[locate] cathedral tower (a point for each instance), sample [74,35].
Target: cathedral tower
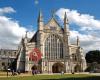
[40,21]
[40,31]
[78,41]
[66,34]
[66,43]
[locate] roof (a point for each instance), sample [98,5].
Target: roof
[34,38]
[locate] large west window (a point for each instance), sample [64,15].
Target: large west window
[53,47]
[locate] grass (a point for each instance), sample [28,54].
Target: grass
[53,77]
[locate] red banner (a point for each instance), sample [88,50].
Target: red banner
[35,55]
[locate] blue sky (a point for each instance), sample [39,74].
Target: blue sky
[83,15]
[27,10]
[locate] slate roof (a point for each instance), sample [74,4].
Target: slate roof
[34,38]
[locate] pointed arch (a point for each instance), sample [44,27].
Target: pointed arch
[53,47]
[58,67]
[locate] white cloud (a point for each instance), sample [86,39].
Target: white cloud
[11,31]
[6,10]
[88,28]
[36,2]
[30,34]
[85,21]
[83,37]
[87,41]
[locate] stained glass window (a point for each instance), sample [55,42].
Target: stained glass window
[53,47]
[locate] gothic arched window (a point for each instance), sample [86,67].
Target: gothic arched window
[74,57]
[53,47]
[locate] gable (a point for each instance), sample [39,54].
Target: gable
[53,24]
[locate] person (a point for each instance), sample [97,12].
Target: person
[33,72]
[13,73]
[62,72]
[73,72]
[18,71]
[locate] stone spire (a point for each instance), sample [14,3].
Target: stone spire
[26,34]
[53,13]
[40,21]
[66,28]
[66,34]
[26,38]
[66,41]
[78,41]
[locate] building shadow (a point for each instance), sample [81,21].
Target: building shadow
[78,78]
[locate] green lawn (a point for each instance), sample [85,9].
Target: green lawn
[54,77]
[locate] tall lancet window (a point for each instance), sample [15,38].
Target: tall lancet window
[53,47]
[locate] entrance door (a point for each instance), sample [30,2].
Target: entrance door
[37,67]
[58,68]
[34,67]
[77,68]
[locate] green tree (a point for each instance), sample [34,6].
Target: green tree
[93,60]
[93,56]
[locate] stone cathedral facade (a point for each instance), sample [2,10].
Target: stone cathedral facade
[58,54]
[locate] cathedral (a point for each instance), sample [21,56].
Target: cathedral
[58,54]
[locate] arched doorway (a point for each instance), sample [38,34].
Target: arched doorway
[37,67]
[58,68]
[77,68]
[34,67]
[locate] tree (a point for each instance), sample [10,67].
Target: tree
[93,61]
[93,56]
[13,64]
